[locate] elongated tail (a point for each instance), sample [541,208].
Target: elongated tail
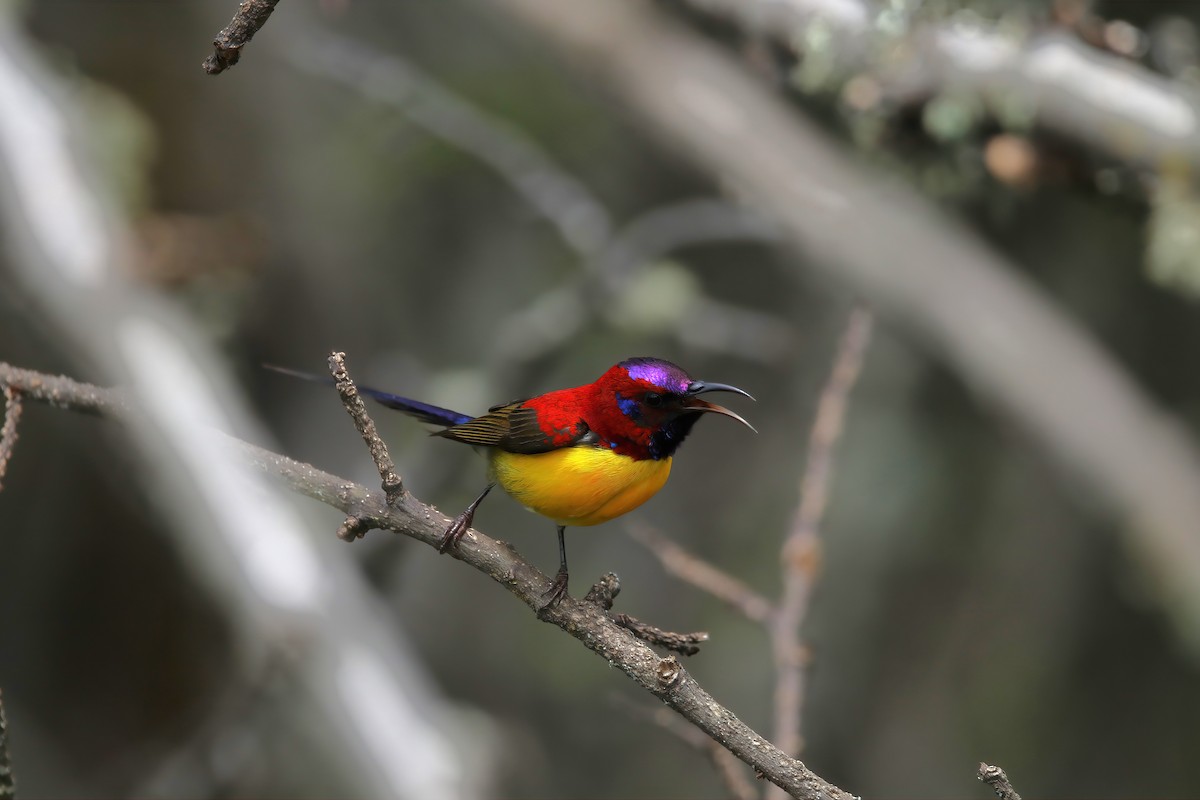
[425,412]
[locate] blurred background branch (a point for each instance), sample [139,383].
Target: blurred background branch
[800,556]
[579,218]
[1025,74]
[8,432]
[250,550]
[728,769]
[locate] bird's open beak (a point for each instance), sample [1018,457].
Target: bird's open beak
[693,403]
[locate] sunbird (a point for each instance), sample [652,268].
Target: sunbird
[579,456]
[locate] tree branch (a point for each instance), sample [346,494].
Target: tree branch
[687,644]
[801,552]
[393,487]
[586,621]
[8,433]
[227,46]
[707,577]
[998,780]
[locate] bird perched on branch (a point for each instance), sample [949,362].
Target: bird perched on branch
[579,456]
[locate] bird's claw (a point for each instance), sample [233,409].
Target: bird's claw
[557,590]
[458,528]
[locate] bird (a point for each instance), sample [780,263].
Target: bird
[579,456]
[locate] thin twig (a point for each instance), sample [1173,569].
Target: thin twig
[392,485]
[665,678]
[8,433]
[801,553]
[998,780]
[605,591]
[692,569]
[8,784]
[687,644]
[227,46]
[727,767]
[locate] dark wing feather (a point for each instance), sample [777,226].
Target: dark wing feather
[515,429]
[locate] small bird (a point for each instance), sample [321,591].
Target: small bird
[579,456]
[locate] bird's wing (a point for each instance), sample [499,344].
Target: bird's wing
[515,428]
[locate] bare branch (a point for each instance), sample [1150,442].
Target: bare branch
[8,433]
[392,485]
[690,568]
[586,621]
[8,784]
[894,249]
[801,553]
[995,778]
[227,46]
[687,644]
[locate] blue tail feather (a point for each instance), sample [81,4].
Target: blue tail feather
[425,412]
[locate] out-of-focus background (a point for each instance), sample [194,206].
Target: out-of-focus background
[442,192]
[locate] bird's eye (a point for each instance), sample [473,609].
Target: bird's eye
[653,399]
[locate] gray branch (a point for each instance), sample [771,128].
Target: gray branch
[585,620]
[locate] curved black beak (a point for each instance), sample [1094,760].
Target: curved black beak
[693,403]
[700,387]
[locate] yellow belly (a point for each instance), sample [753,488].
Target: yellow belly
[579,485]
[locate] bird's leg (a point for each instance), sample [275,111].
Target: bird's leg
[462,522]
[558,589]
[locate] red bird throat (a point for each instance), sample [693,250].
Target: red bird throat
[579,485]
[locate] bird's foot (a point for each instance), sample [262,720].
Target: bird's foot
[458,528]
[462,523]
[557,590]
